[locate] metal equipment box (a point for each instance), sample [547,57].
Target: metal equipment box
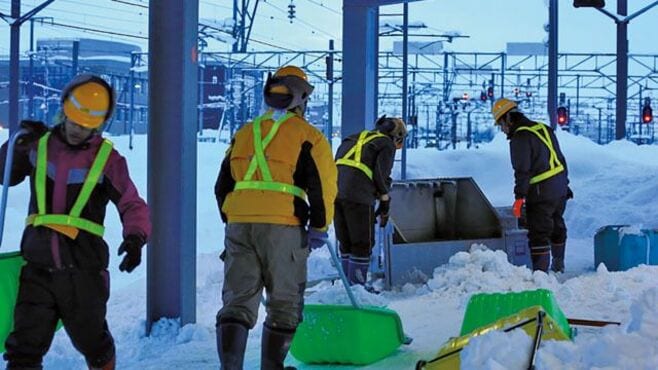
[432,219]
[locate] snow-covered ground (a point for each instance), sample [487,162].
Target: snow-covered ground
[613,184]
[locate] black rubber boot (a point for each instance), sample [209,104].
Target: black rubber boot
[358,270]
[231,344]
[110,365]
[541,257]
[557,250]
[345,262]
[274,348]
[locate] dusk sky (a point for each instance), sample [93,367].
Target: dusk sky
[490,24]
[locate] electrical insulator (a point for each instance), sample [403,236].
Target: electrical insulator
[291,11]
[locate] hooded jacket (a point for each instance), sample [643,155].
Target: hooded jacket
[67,169]
[354,185]
[299,155]
[530,157]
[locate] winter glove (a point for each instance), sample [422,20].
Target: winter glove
[316,238]
[132,246]
[35,129]
[569,193]
[517,207]
[383,211]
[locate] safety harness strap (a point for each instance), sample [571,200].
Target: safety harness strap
[555,166]
[353,157]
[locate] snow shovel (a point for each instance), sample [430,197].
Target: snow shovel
[340,334]
[10,263]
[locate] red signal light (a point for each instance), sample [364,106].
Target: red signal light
[562,116]
[647,114]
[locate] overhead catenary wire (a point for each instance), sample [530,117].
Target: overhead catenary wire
[302,21]
[95,30]
[321,4]
[132,4]
[70,24]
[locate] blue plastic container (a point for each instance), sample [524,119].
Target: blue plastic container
[620,250]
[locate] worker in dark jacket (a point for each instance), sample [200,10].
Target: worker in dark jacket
[276,190]
[365,161]
[74,173]
[541,183]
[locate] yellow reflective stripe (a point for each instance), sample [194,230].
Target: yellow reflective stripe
[546,175]
[271,186]
[66,220]
[359,165]
[42,169]
[72,219]
[91,112]
[555,166]
[253,165]
[92,178]
[259,162]
[353,156]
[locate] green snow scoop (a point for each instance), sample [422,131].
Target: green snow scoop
[10,263]
[339,334]
[10,270]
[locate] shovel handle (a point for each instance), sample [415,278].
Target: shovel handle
[332,250]
[596,323]
[9,160]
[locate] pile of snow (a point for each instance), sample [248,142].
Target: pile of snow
[630,347]
[615,184]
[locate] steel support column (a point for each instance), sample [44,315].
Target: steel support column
[405,84]
[359,102]
[14,65]
[622,70]
[30,89]
[552,62]
[171,272]
[330,81]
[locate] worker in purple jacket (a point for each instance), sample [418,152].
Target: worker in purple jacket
[73,172]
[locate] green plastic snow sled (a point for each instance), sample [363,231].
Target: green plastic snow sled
[339,334]
[534,311]
[346,335]
[10,270]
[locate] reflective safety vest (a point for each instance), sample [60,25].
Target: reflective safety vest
[70,224]
[259,162]
[353,157]
[555,166]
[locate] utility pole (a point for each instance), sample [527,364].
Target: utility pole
[552,61]
[14,65]
[405,82]
[30,89]
[330,81]
[14,57]
[243,21]
[622,70]
[74,58]
[621,19]
[131,112]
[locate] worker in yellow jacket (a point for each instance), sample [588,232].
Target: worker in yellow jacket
[277,177]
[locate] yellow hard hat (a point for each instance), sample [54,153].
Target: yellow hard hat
[288,88]
[291,71]
[501,107]
[88,101]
